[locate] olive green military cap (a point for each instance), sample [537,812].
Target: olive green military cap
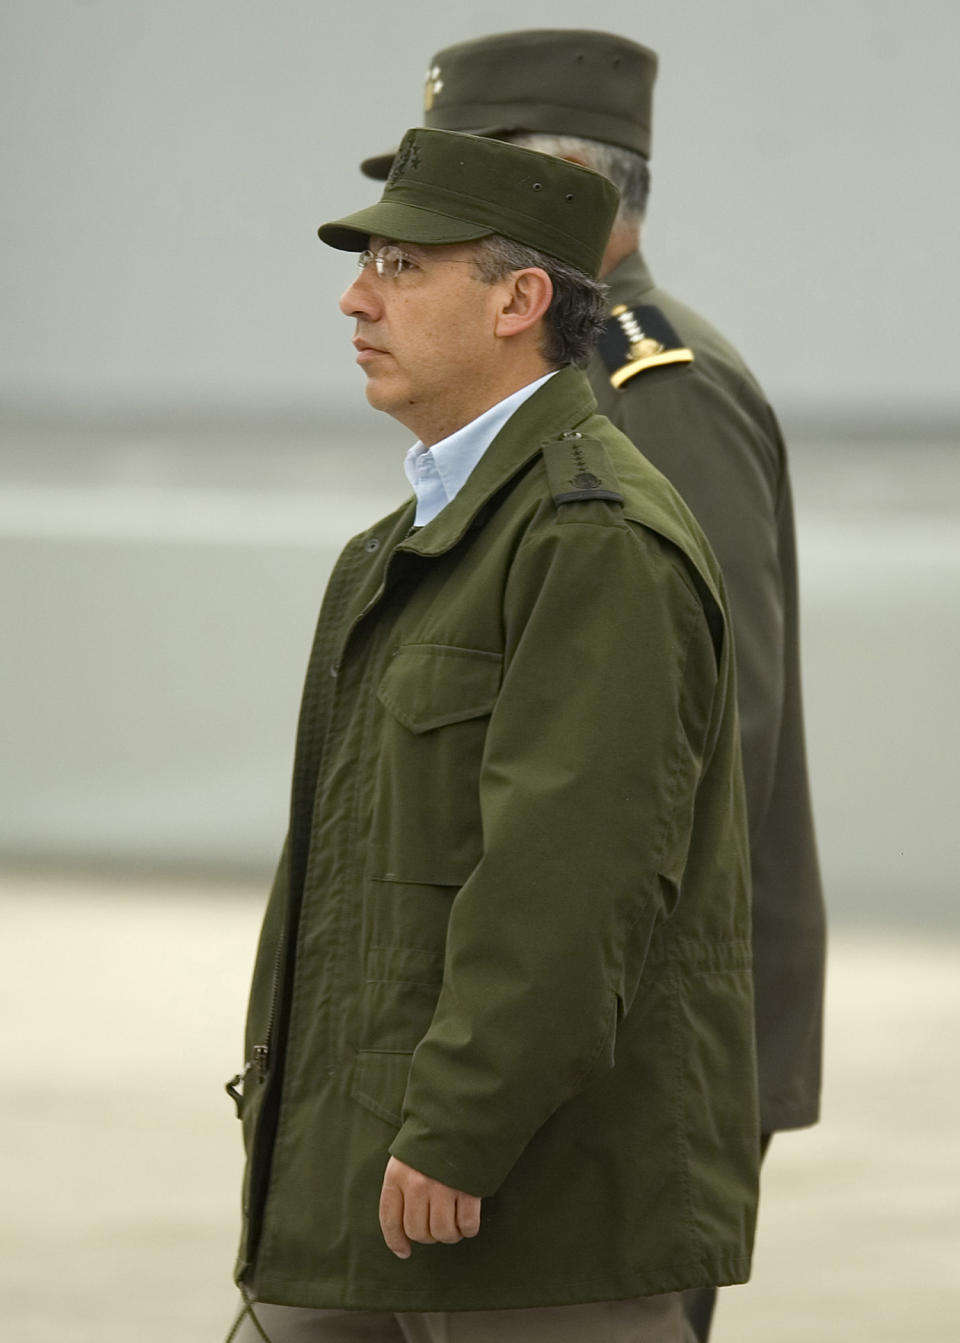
[447,187]
[559,81]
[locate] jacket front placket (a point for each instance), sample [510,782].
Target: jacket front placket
[328,935]
[360,580]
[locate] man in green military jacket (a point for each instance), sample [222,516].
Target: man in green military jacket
[501,1071]
[684,396]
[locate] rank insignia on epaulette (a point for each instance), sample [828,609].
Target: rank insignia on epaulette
[579,469]
[635,339]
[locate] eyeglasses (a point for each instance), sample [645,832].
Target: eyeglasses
[391,261]
[388,261]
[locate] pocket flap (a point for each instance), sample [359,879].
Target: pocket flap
[380,1083]
[427,686]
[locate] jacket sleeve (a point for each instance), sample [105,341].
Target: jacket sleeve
[606,712]
[725,456]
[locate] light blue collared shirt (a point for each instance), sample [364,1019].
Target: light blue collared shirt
[438,474]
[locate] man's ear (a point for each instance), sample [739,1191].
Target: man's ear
[526,298]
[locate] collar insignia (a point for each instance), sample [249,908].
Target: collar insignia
[639,338]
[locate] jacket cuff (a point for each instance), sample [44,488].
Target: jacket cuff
[454,1161]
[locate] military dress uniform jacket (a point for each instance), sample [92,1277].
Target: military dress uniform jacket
[509,940]
[709,429]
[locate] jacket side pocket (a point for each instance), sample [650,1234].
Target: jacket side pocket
[380,1083]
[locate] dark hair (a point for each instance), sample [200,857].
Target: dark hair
[575,317]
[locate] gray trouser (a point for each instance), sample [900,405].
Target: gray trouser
[648,1319]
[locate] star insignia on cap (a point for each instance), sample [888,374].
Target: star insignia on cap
[406,158]
[432,86]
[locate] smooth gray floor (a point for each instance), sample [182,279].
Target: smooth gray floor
[123,1007]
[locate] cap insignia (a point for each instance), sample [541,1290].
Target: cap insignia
[433,84]
[407,156]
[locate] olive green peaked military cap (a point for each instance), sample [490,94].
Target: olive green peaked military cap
[447,187]
[559,81]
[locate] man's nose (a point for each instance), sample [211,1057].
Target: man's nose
[360,299]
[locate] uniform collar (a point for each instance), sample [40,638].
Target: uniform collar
[561,403]
[629,277]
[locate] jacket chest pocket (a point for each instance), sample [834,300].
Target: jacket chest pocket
[436,704]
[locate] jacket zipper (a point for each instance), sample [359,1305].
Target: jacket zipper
[259,1059]
[260,1156]
[260,1056]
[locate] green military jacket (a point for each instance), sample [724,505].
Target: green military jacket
[509,939]
[709,429]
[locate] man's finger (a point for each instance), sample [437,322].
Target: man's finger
[416,1210]
[391,1220]
[468,1215]
[443,1218]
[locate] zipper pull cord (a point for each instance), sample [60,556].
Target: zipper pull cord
[259,1059]
[247,1313]
[231,1087]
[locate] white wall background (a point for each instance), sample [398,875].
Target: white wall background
[184,442]
[164,166]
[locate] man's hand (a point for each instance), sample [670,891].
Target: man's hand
[414,1207]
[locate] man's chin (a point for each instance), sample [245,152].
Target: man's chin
[379,396]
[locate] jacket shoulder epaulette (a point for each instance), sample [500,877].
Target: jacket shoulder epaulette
[635,339]
[578,469]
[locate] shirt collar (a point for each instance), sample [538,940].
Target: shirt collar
[437,474]
[565,403]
